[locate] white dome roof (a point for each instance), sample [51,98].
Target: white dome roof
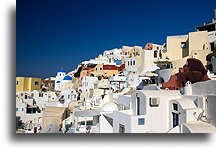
[109,107]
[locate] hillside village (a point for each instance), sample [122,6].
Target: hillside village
[153,88]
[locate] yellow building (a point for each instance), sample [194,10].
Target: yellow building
[27,83]
[129,52]
[180,48]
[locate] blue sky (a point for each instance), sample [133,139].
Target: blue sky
[55,34]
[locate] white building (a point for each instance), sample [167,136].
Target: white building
[61,79]
[88,82]
[113,55]
[149,112]
[162,111]
[118,82]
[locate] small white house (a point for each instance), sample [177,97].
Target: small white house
[68,95]
[88,82]
[149,112]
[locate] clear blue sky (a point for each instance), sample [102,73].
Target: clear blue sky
[55,34]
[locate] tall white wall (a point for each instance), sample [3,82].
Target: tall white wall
[211,109]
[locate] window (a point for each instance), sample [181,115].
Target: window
[121,128]
[125,53]
[183,45]
[212,45]
[128,63]
[34,110]
[17,82]
[96,68]
[29,110]
[175,119]
[36,83]
[134,54]
[141,121]
[133,62]
[155,54]
[17,109]
[175,107]
[138,105]
[100,68]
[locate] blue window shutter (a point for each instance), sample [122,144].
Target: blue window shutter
[141,121]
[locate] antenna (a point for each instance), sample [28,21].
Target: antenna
[215,13]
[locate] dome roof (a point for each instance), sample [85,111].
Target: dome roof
[57,81]
[109,107]
[62,70]
[67,77]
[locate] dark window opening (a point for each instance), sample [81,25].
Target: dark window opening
[121,128]
[175,107]
[138,105]
[155,54]
[28,111]
[175,119]
[212,46]
[36,83]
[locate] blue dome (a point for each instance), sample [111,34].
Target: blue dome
[67,78]
[57,81]
[62,70]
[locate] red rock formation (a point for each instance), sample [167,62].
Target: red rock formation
[194,72]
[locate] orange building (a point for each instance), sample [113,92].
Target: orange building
[105,70]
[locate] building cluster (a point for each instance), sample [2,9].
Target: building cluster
[167,88]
